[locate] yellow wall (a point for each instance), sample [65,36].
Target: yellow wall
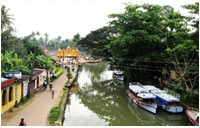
[10,104]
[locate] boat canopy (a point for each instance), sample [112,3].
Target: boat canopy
[153,89]
[118,72]
[167,97]
[146,95]
[137,89]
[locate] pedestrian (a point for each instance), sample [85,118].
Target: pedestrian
[50,86]
[52,91]
[22,123]
[45,83]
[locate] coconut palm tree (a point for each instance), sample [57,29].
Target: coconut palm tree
[6,19]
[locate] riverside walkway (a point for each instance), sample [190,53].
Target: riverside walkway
[35,112]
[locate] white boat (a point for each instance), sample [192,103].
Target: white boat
[168,102]
[146,101]
[153,89]
[193,115]
[119,75]
[142,98]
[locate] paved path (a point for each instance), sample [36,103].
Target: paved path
[36,111]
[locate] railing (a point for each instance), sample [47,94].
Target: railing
[194,109]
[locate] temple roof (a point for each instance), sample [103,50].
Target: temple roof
[68,52]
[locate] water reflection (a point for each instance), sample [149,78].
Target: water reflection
[100,101]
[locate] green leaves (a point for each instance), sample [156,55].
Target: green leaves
[10,62]
[43,61]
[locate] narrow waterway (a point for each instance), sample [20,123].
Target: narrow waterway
[100,101]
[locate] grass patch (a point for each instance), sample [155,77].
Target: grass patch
[54,114]
[59,72]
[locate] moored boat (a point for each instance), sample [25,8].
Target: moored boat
[193,115]
[153,89]
[119,75]
[142,98]
[168,102]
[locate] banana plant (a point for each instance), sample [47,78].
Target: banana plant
[43,61]
[10,62]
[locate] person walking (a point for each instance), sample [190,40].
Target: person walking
[50,86]
[22,123]
[45,85]
[52,91]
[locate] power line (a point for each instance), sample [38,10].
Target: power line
[166,61]
[147,69]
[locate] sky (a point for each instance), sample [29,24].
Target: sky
[65,18]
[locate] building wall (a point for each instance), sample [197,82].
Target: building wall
[25,85]
[10,104]
[43,75]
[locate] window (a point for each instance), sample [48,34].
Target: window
[11,94]
[4,98]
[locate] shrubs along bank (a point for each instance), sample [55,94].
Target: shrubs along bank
[56,116]
[56,111]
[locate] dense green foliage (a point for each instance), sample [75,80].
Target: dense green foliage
[146,38]
[10,61]
[96,41]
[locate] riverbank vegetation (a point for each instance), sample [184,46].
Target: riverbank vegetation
[149,43]
[56,111]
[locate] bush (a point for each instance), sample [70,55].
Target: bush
[54,115]
[59,72]
[55,111]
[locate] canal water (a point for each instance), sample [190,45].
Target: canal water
[98,100]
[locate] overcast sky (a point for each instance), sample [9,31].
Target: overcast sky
[68,17]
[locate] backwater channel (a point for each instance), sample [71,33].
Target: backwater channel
[98,100]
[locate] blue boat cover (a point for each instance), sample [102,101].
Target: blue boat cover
[160,101]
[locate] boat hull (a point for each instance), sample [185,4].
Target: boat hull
[132,99]
[150,108]
[190,114]
[173,109]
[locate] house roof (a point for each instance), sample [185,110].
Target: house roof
[25,77]
[43,67]
[36,72]
[3,80]
[7,82]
